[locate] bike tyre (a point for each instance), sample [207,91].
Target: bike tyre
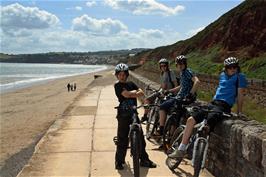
[199,157]
[176,139]
[173,165]
[178,134]
[152,122]
[167,135]
[135,152]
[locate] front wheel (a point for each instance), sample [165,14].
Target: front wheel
[173,163]
[135,151]
[199,157]
[170,127]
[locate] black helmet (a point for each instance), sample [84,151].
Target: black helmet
[163,61]
[121,67]
[181,59]
[230,61]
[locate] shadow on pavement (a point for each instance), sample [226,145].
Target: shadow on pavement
[128,171]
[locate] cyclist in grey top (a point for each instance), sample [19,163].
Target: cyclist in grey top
[167,80]
[187,89]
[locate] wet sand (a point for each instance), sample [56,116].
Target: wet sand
[26,114]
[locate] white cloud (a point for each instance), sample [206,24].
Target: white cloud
[48,40]
[16,17]
[98,26]
[151,33]
[87,34]
[78,8]
[91,3]
[194,31]
[144,7]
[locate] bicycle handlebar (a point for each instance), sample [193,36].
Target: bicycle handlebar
[205,109]
[146,106]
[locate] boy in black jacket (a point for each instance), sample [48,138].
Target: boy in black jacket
[127,92]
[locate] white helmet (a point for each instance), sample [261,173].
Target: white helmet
[181,59]
[121,67]
[164,61]
[230,61]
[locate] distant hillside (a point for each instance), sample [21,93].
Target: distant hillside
[101,57]
[241,32]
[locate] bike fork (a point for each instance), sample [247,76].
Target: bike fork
[205,151]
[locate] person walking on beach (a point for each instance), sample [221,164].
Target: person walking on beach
[127,93]
[68,87]
[74,87]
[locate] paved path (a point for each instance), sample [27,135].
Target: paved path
[81,144]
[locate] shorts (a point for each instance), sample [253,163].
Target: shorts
[168,104]
[213,117]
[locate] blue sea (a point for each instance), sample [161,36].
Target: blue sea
[14,76]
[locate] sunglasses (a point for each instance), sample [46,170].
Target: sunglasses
[231,67]
[163,65]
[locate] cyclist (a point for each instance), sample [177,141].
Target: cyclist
[187,89]
[167,80]
[127,92]
[231,87]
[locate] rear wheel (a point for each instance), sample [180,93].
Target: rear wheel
[152,122]
[135,148]
[199,157]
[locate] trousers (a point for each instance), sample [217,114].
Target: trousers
[123,140]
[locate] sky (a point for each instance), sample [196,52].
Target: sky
[40,26]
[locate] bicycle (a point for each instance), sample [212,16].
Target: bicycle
[134,136]
[198,142]
[175,117]
[153,115]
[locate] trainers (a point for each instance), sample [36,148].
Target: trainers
[144,119]
[158,133]
[119,166]
[177,154]
[148,163]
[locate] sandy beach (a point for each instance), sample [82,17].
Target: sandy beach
[26,114]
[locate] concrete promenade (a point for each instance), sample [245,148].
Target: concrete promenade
[81,143]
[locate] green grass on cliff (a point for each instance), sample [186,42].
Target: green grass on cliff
[211,63]
[207,63]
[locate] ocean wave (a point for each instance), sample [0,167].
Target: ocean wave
[19,81]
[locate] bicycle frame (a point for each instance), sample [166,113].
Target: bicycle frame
[135,125]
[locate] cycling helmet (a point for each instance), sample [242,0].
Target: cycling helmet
[163,61]
[121,67]
[230,61]
[181,59]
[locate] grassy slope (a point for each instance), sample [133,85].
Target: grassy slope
[202,62]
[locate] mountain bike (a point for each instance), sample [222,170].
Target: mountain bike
[153,115]
[175,117]
[198,142]
[134,136]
